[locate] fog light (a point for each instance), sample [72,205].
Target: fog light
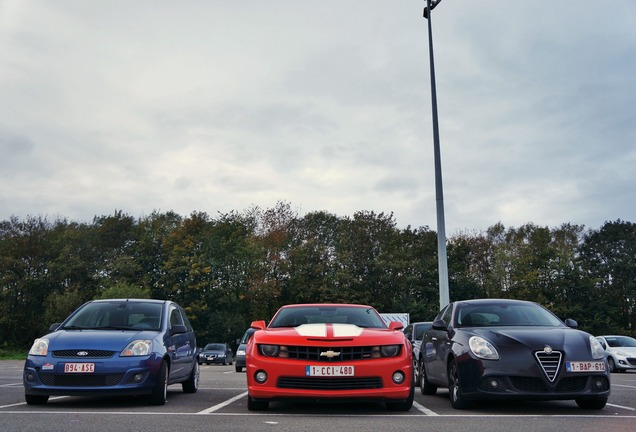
[398,377]
[260,376]
[138,377]
[30,377]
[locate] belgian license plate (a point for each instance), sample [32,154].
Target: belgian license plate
[576,366]
[327,371]
[79,367]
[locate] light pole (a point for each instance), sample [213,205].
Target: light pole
[442,261]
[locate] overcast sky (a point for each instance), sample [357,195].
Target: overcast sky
[223,105]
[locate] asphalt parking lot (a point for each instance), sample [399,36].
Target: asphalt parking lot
[220,404]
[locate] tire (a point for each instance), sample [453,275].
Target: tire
[591,404]
[257,405]
[612,364]
[36,399]
[238,368]
[454,388]
[417,377]
[192,384]
[426,387]
[160,392]
[402,405]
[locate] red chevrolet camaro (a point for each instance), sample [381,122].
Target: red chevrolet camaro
[332,352]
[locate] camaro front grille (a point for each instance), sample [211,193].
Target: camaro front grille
[305,383]
[78,353]
[335,354]
[81,380]
[550,363]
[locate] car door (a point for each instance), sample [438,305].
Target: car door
[181,345]
[437,344]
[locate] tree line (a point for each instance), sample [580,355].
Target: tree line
[237,267]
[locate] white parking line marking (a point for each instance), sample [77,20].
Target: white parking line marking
[24,403]
[622,407]
[623,385]
[423,409]
[12,385]
[222,404]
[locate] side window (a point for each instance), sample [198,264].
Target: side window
[175,317]
[447,315]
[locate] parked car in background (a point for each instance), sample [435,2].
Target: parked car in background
[216,353]
[332,352]
[621,352]
[114,347]
[239,362]
[415,332]
[512,349]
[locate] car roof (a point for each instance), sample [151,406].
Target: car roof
[325,305]
[133,300]
[493,301]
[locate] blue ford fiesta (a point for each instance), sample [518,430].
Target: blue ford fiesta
[114,347]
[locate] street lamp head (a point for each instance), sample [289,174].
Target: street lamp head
[430,5]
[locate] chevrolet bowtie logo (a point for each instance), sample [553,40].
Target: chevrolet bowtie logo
[329,354]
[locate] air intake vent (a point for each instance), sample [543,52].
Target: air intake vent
[550,363]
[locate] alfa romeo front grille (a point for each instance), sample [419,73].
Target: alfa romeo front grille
[550,363]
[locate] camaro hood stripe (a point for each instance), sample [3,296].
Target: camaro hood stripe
[320,330]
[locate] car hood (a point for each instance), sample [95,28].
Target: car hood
[115,340]
[535,338]
[630,351]
[212,351]
[331,332]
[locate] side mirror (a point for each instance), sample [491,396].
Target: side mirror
[178,329]
[258,325]
[571,323]
[439,325]
[396,325]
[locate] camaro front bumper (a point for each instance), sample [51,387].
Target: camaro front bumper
[290,379]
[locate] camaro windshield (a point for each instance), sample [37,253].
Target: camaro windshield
[522,314]
[295,316]
[116,315]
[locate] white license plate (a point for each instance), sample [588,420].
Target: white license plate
[79,367]
[327,371]
[574,366]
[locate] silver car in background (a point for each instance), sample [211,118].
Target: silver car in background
[621,352]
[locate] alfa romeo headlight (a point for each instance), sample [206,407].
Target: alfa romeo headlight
[597,349]
[482,348]
[137,348]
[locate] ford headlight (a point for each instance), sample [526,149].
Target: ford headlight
[137,348]
[597,349]
[482,348]
[40,347]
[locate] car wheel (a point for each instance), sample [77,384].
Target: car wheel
[230,362]
[454,387]
[257,405]
[416,372]
[402,405]
[238,368]
[612,364]
[160,392]
[35,399]
[192,384]
[426,387]
[591,404]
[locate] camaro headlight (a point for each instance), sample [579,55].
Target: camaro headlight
[40,347]
[597,349]
[137,348]
[482,348]
[269,350]
[389,350]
